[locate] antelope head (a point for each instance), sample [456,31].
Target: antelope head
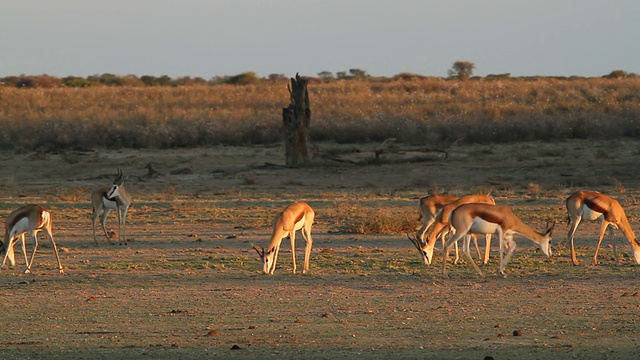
[114,192]
[422,248]
[266,256]
[546,243]
[3,251]
[636,250]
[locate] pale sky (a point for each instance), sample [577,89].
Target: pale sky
[209,38]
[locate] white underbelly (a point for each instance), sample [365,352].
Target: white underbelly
[300,224]
[481,226]
[20,227]
[109,204]
[589,214]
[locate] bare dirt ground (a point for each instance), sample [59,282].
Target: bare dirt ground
[188,284]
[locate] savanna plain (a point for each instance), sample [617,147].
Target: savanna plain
[188,284]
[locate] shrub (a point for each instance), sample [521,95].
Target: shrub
[246,78]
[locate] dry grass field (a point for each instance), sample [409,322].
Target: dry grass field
[414,110]
[188,285]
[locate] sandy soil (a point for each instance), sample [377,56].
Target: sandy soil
[188,284]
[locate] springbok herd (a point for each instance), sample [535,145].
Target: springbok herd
[442,215]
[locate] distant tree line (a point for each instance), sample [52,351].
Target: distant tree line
[460,70]
[246,78]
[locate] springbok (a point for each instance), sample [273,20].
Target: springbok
[115,198]
[297,216]
[440,222]
[32,219]
[478,218]
[592,205]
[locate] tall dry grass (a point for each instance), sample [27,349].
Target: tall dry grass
[415,110]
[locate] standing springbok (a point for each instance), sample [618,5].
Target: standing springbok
[297,216]
[32,219]
[115,198]
[592,205]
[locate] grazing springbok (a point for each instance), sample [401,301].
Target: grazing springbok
[480,218]
[26,219]
[297,216]
[592,205]
[440,222]
[115,198]
[430,207]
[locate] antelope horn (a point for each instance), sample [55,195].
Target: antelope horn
[550,228]
[120,179]
[115,181]
[414,240]
[260,251]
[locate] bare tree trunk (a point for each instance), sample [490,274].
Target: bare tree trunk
[296,119]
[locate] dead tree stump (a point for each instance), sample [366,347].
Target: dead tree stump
[296,119]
